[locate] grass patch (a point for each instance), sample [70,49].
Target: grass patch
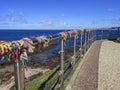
[71,74]
[40,83]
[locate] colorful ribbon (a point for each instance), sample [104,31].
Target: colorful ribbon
[24,58]
[17,50]
[44,41]
[2,58]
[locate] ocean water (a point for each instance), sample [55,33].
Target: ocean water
[113,34]
[10,35]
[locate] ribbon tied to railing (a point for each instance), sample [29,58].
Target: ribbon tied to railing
[44,41]
[3,50]
[16,50]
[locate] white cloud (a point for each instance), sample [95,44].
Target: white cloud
[116,21]
[4,23]
[13,17]
[113,20]
[64,24]
[47,23]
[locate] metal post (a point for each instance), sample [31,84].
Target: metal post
[88,39]
[118,31]
[17,77]
[94,35]
[22,76]
[101,34]
[109,34]
[62,64]
[81,45]
[85,42]
[75,37]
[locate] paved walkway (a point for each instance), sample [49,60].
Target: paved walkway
[87,78]
[100,69]
[109,66]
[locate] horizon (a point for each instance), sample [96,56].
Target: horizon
[60,14]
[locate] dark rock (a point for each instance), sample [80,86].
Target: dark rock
[118,39]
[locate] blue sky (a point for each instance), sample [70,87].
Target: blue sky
[58,14]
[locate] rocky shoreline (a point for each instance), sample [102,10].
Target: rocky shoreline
[35,68]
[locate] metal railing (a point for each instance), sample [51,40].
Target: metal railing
[86,38]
